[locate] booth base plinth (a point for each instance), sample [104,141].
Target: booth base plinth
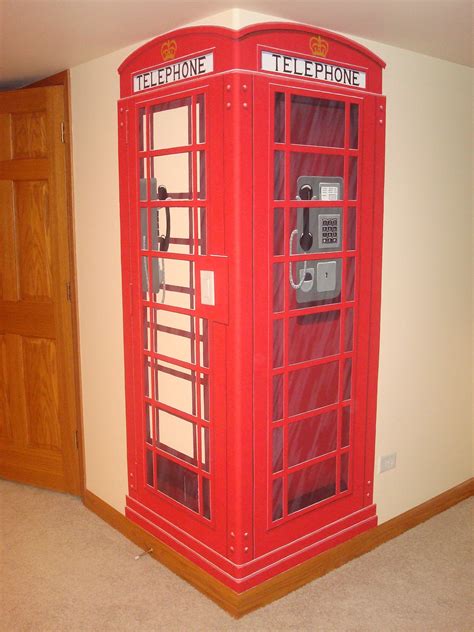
[239,604]
[243,577]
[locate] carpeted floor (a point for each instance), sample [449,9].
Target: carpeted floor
[66,570]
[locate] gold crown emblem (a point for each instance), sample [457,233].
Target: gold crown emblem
[319,46]
[168,50]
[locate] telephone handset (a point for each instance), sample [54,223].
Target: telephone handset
[160,242]
[164,240]
[306,239]
[319,230]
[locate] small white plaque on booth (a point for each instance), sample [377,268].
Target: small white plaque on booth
[207,287]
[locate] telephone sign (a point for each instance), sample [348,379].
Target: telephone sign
[186,69]
[312,69]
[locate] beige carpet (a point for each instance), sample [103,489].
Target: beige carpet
[66,570]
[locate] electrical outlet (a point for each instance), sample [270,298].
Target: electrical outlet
[387,462]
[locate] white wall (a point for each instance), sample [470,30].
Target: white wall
[424,406]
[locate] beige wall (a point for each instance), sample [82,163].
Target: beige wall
[424,409]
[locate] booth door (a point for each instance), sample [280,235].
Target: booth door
[312,254]
[176,418]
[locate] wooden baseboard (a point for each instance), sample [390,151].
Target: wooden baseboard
[239,604]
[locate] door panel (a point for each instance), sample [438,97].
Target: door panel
[38,416]
[172,234]
[312,306]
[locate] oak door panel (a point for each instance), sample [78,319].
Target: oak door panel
[38,411]
[33,233]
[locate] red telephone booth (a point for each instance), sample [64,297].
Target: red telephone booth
[251,188]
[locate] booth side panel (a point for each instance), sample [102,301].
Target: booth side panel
[127,285]
[379,123]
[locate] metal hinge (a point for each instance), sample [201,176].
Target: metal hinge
[63,132]
[68,291]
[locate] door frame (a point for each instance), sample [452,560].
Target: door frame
[167,511]
[63,79]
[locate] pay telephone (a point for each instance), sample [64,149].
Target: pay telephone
[158,242]
[319,230]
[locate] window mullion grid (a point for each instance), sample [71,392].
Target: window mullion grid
[286,300]
[152,377]
[342,314]
[195,321]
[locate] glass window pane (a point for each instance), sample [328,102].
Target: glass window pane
[142,144]
[354,133]
[317,122]
[204,342]
[277,397]
[312,388]
[144,228]
[278,228]
[346,426]
[201,119]
[205,397]
[205,449]
[176,436]
[277,343]
[148,418]
[344,482]
[279,176]
[143,175]
[202,231]
[149,467]
[277,440]
[313,336]
[174,172]
[351,228]
[180,229]
[349,330]
[174,335]
[173,282]
[296,300]
[279,117]
[206,498]
[319,165]
[175,387]
[177,482]
[324,223]
[311,485]
[146,329]
[350,278]
[347,379]
[145,280]
[171,124]
[352,178]
[278,293]
[277,501]
[147,376]
[312,437]
[201,175]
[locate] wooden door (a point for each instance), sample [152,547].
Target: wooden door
[38,411]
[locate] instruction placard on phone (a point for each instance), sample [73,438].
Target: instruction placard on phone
[328,192]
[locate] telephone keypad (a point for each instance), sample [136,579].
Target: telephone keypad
[329,231]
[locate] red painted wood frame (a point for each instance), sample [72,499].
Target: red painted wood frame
[234,535]
[147,451]
[276,525]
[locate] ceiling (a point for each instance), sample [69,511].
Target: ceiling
[41,37]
